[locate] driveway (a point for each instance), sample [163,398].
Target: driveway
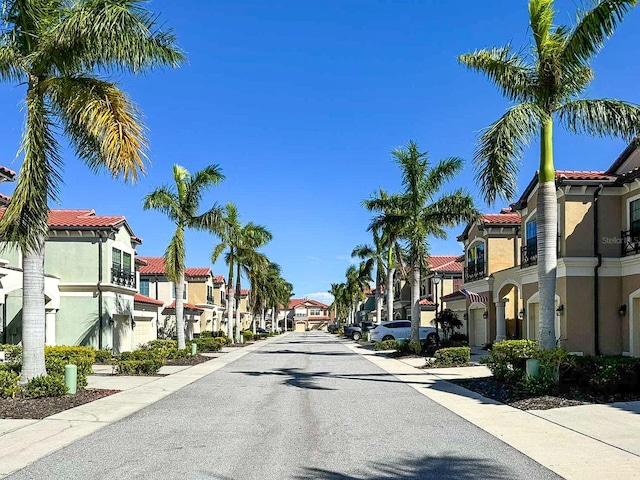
[302,407]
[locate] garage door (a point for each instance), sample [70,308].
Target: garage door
[301,326]
[479,328]
[144,331]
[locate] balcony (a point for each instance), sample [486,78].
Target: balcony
[123,278]
[528,255]
[474,271]
[630,243]
[210,300]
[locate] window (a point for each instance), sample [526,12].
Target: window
[315,311]
[144,286]
[634,218]
[209,294]
[532,232]
[116,259]
[121,268]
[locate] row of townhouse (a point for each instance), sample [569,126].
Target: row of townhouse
[98,292]
[598,274]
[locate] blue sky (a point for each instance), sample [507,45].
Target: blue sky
[300,103]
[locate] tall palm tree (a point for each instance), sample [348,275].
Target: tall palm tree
[358,278]
[547,85]
[241,243]
[378,255]
[417,214]
[339,304]
[263,278]
[55,49]
[283,292]
[389,238]
[181,205]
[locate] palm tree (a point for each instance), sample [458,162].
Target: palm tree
[389,238]
[263,278]
[548,84]
[418,215]
[378,255]
[55,48]
[358,278]
[241,243]
[181,205]
[339,304]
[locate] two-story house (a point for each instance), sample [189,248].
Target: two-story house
[199,296]
[308,315]
[90,282]
[443,277]
[598,274]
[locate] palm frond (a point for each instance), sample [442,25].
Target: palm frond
[363,251]
[201,180]
[217,251]
[540,20]
[500,149]
[212,220]
[11,65]
[602,118]
[103,124]
[451,210]
[111,34]
[442,172]
[25,219]
[174,256]
[592,29]
[506,69]
[164,200]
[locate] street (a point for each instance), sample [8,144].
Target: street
[302,407]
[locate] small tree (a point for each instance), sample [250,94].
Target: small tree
[448,320]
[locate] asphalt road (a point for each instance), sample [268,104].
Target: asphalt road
[302,407]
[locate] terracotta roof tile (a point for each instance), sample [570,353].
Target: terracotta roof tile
[138,297]
[444,263]
[7,172]
[218,279]
[197,272]
[154,266]
[424,301]
[501,218]
[294,302]
[186,306]
[582,175]
[453,296]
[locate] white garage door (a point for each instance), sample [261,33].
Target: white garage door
[144,331]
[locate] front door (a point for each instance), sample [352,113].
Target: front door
[121,334]
[479,327]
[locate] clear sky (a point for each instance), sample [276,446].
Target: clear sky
[300,104]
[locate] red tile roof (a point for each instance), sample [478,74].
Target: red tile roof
[501,218]
[582,175]
[186,306]
[4,199]
[453,296]
[218,279]
[82,219]
[144,299]
[424,301]
[444,263]
[294,302]
[7,172]
[154,266]
[197,272]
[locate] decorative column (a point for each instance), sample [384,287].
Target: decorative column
[50,327]
[501,323]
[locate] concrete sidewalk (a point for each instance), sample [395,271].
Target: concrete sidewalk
[25,441]
[583,442]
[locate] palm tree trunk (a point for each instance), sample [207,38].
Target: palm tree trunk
[547,223]
[378,299]
[390,274]
[33,315]
[230,304]
[262,319]
[180,312]
[415,301]
[238,300]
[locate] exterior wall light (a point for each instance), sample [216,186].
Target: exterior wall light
[622,310]
[521,314]
[560,310]
[485,315]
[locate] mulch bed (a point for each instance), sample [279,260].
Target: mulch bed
[515,397]
[37,408]
[195,360]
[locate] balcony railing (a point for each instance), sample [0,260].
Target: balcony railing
[528,255]
[474,271]
[123,278]
[210,299]
[630,243]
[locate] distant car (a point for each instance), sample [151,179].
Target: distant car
[261,331]
[333,327]
[357,330]
[401,330]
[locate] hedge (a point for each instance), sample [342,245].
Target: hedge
[9,387]
[56,358]
[386,345]
[452,357]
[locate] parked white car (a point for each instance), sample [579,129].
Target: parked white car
[399,330]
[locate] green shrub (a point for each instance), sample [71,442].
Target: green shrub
[220,333]
[12,353]
[51,385]
[223,341]
[407,347]
[340,332]
[146,362]
[9,387]
[247,335]
[83,357]
[137,367]
[604,375]
[507,359]
[452,357]
[207,344]
[386,345]
[206,334]
[103,356]
[458,337]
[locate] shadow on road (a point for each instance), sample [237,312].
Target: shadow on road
[449,467]
[294,352]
